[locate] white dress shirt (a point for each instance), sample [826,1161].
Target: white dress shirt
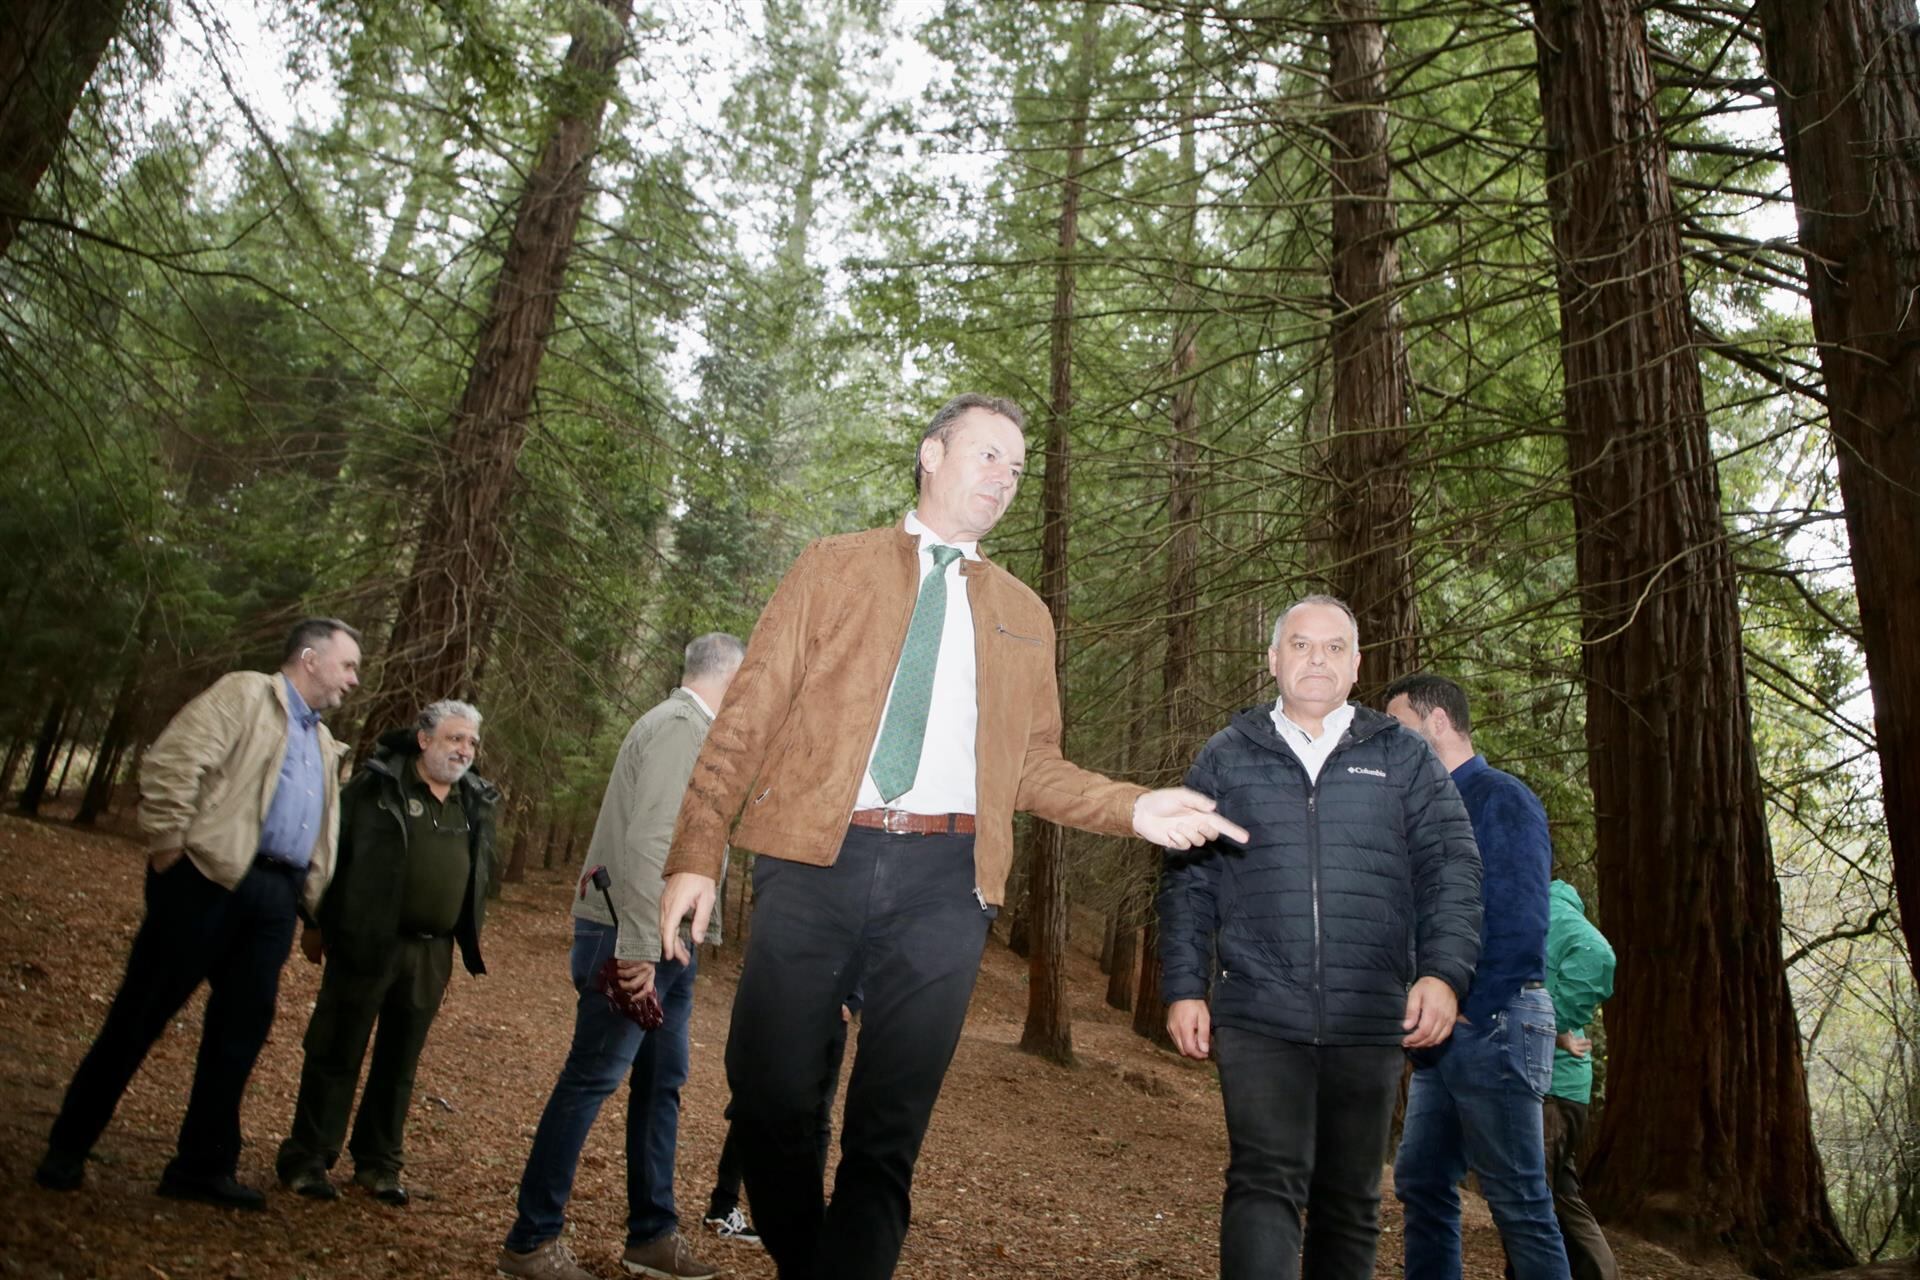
[945,782]
[1313,752]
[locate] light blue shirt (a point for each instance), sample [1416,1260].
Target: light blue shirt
[293,818]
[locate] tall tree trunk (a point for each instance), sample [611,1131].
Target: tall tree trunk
[1049,1029]
[1121,973]
[1707,1135]
[1371,512]
[48,52]
[113,740]
[440,631]
[1847,78]
[45,747]
[1149,1011]
[66,765]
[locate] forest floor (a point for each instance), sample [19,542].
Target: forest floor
[1109,1169]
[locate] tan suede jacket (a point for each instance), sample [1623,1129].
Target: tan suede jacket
[786,754]
[208,779]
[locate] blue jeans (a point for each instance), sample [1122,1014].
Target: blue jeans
[606,1048]
[1477,1106]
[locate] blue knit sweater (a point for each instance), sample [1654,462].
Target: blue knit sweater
[1516,860]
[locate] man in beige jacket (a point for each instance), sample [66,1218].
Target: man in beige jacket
[240,801]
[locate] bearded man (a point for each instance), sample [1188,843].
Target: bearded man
[416,855]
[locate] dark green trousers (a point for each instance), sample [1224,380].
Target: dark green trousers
[402,999]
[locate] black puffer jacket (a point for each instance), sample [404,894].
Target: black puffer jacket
[1350,888]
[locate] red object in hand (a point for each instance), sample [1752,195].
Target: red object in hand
[643,1010]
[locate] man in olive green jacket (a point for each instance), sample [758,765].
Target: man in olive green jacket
[416,857]
[239,798]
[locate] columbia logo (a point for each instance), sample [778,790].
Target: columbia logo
[1371,773]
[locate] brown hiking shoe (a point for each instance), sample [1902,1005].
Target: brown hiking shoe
[666,1259]
[551,1261]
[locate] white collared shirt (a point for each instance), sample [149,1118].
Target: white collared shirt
[945,782]
[1313,752]
[698,701]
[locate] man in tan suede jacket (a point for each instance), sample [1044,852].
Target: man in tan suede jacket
[240,801]
[897,704]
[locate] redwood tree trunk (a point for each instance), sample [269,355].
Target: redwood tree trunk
[1706,1137]
[48,52]
[1371,515]
[45,748]
[1847,77]
[1181,731]
[113,742]
[1049,1029]
[440,631]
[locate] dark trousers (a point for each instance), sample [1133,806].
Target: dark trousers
[726,1175]
[1307,1138]
[236,941]
[402,997]
[901,912]
[1565,1127]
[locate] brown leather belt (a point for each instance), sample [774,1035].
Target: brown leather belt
[899,823]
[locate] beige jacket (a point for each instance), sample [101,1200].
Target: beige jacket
[786,753]
[208,779]
[630,837]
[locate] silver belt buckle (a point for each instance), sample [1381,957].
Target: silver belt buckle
[887,817]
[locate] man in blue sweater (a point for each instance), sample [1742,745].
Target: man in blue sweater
[1475,1101]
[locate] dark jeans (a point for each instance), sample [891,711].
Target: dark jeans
[1564,1123]
[1307,1137]
[726,1175]
[236,941]
[608,1048]
[1476,1106]
[403,997]
[901,912]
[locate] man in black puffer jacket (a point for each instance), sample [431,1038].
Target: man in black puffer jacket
[1344,932]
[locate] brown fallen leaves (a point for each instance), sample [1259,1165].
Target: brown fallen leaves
[1111,1169]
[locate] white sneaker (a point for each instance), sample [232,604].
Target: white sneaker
[733,1226]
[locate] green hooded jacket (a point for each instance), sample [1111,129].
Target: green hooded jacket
[1579,977]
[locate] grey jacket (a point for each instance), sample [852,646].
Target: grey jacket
[635,826]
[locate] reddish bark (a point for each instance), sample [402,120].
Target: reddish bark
[1049,1028]
[1371,513]
[1706,1137]
[48,52]
[1847,78]
[447,605]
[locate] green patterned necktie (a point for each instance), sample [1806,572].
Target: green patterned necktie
[896,756]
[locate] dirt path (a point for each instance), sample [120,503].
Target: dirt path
[1108,1170]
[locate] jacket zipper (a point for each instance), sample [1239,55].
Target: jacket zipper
[1313,877]
[1001,627]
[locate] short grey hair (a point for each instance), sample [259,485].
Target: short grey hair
[712,654]
[953,410]
[1323,601]
[436,713]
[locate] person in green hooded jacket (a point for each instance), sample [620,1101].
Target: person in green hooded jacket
[1579,977]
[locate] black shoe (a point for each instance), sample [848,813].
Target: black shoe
[384,1184]
[219,1190]
[311,1183]
[60,1170]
